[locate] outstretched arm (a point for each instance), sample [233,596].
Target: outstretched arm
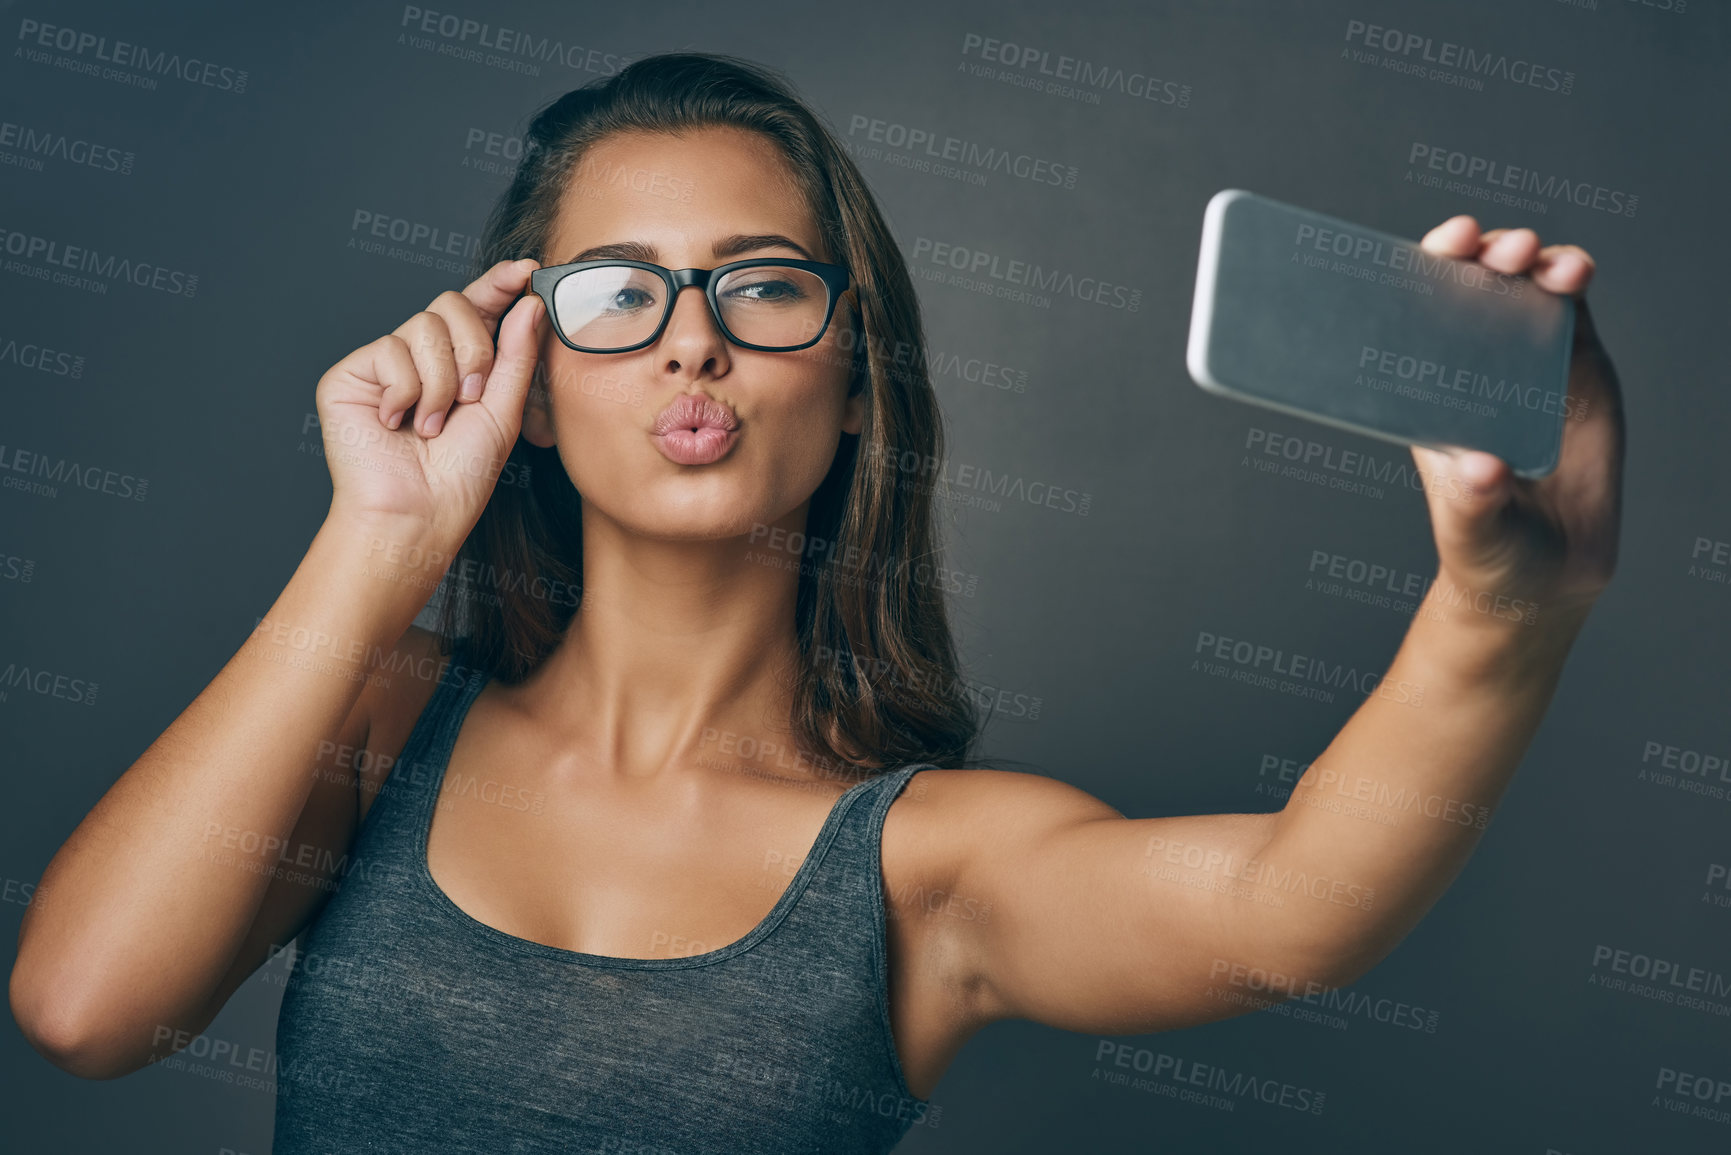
[1119,925]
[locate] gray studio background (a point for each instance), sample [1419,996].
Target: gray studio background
[146,591]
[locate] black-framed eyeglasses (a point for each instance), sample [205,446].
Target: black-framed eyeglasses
[776,304]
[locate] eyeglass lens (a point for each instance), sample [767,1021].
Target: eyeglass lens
[616,306]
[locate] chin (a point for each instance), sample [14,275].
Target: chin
[699,517]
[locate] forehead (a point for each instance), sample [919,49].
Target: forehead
[680,192]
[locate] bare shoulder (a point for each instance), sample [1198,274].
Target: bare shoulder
[957,808]
[394,700]
[1007,793]
[946,820]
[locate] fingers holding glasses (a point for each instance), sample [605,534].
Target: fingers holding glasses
[494,292]
[451,344]
[427,336]
[471,338]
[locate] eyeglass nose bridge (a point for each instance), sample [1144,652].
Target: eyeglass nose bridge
[684,278]
[692,278]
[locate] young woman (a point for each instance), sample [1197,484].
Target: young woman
[670,839]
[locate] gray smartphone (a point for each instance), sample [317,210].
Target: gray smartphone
[1328,320]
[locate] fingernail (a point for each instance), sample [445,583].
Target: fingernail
[433,424]
[395,419]
[471,387]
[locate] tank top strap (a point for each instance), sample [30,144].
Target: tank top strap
[847,880]
[883,791]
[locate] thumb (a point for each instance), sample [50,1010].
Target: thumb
[514,361]
[1466,490]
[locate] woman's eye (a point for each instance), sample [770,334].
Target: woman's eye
[629,299]
[767,290]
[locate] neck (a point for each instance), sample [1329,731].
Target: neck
[678,649]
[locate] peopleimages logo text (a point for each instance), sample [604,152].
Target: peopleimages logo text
[462,30]
[93,263]
[1402,259]
[123,54]
[1105,77]
[1470,60]
[979,262]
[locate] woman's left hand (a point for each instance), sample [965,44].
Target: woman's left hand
[1549,542]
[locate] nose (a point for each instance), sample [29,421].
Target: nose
[693,336]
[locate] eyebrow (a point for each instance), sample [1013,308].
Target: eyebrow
[730,246]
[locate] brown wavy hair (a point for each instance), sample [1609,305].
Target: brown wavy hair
[879,685]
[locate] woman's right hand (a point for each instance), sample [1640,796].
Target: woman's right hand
[406,443]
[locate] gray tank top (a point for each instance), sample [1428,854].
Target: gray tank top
[406,1025]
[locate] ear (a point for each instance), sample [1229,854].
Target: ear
[537,413]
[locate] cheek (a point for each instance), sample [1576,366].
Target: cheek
[796,438]
[588,393]
[807,400]
[600,417]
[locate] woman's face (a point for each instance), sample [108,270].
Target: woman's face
[677,201]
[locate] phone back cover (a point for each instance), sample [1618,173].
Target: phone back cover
[1332,321]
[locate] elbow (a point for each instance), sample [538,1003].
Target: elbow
[1347,963]
[1337,974]
[1312,963]
[68,1032]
